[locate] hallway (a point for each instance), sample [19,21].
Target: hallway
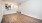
[29,11]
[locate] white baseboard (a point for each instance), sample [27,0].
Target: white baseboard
[32,16]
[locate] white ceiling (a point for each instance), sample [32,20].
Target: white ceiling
[17,1]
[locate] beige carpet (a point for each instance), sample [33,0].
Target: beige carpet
[19,18]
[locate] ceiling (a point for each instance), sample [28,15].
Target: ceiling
[16,1]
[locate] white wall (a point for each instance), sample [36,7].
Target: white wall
[1,11]
[32,8]
[13,9]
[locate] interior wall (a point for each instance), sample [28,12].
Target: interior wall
[13,9]
[1,11]
[32,8]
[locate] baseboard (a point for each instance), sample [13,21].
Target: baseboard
[32,16]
